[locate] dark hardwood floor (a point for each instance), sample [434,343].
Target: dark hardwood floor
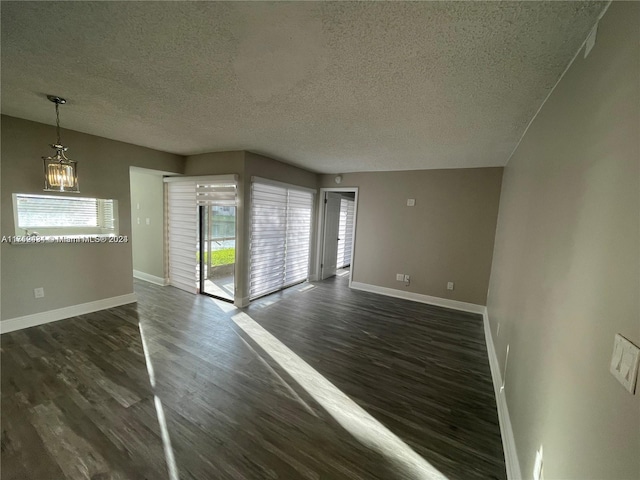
[317,382]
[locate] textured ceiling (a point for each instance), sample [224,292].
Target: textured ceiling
[330,86]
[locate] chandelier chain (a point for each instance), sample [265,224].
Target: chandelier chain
[58,122]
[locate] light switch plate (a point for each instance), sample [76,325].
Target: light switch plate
[624,362]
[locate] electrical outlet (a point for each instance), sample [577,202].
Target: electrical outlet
[449,285]
[624,362]
[411,202]
[406,279]
[400,277]
[537,466]
[148,221]
[38,292]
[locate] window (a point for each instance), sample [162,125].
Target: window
[280,237]
[49,215]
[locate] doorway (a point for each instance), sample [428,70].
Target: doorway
[201,234]
[217,251]
[336,232]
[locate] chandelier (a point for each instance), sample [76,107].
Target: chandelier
[60,173]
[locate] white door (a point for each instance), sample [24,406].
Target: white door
[330,240]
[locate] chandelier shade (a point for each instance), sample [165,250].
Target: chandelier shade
[60,173]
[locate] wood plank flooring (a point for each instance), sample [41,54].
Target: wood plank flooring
[172,387]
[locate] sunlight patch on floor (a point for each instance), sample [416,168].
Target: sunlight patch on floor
[162,422]
[307,288]
[291,391]
[353,418]
[226,307]
[166,441]
[147,357]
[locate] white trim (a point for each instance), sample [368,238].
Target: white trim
[276,183]
[27,321]
[150,278]
[202,178]
[418,297]
[559,79]
[506,431]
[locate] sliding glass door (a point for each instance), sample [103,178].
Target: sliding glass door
[217,255]
[280,236]
[201,234]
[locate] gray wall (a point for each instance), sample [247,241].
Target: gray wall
[447,236]
[147,241]
[566,274]
[215,163]
[261,166]
[71,274]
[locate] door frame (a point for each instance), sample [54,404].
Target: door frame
[320,230]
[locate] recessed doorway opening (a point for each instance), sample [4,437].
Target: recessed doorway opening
[336,232]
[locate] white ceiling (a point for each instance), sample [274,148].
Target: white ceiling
[330,86]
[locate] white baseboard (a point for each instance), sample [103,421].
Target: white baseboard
[150,278]
[27,321]
[418,297]
[506,430]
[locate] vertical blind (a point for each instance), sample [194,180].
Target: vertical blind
[182,233]
[183,197]
[345,232]
[280,237]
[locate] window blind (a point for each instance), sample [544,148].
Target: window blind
[59,215]
[182,231]
[184,195]
[345,232]
[106,216]
[222,193]
[299,209]
[280,237]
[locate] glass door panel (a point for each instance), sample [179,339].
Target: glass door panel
[217,255]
